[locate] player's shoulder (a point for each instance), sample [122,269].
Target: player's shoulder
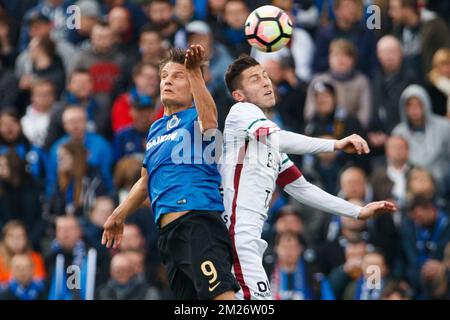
[243,113]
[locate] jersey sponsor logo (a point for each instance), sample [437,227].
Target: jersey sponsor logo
[161,139]
[173,122]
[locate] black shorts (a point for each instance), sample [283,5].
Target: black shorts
[197,252]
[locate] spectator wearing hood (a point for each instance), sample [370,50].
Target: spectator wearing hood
[427,134]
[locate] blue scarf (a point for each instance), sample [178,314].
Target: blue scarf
[30,292]
[427,239]
[363,292]
[296,289]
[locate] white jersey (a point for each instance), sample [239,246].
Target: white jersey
[249,169]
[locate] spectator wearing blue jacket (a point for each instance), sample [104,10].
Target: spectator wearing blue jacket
[131,140]
[350,26]
[99,149]
[424,236]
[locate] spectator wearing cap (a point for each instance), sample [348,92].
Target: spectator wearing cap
[421,34]
[296,275]
[424,233]
[352,87]
[55,12]
[131,140]
[40,26]
[348,25]
[391,78]
[161,14]
[144,93]
[90,15]
[80,91]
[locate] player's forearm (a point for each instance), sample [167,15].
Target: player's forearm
[293,143]
[309,194]
[204,102]
[137,195]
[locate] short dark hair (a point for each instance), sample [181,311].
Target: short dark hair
[234,71]
[419,201]
[412,4]
[150,29]
[161,1]
[139,67]
[290,234]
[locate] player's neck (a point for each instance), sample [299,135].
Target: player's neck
[169,110]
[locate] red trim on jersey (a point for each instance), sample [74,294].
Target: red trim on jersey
[237,265]
[287,176]
[263,132]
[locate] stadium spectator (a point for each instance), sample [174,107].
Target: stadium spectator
[8,50]
[199,32]
[391,78]
[125,283]
[348,25]
[9,89]
[435,277]
[11,137]
[421,34]
[352,87]
[15,241]
[427,134]
[78,184]
[99,151]
[425,233]
[160,13]
[79,91]
[390,180]
[232,31]
[106,65]
[44,63]
[35,122]
[131,140]
[374,279]
[151,45]
[40,27]
[22,286]
[126,173]
[295,276]
[341,276]
[19,197]
[184,11]
[90,15]
[215,15]
[439,83]
[119,20]
[72,249]
[144,93]
[397,290]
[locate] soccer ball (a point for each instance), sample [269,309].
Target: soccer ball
[268,28]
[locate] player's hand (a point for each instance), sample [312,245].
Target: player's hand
[376,208]
[352,144]
[113,231]
[194,57]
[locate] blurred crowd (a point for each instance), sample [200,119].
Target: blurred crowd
[76,104]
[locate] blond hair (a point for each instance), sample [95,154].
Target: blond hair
[441,56]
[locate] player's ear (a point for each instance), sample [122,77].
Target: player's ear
[238,95]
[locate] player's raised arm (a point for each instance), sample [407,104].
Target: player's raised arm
[113,227]
[292,181]
[204,102]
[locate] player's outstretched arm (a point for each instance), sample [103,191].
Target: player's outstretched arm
[309,194]
[204,102]
[294,143]
[113,227]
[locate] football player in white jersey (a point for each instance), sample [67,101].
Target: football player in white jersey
[255,160]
